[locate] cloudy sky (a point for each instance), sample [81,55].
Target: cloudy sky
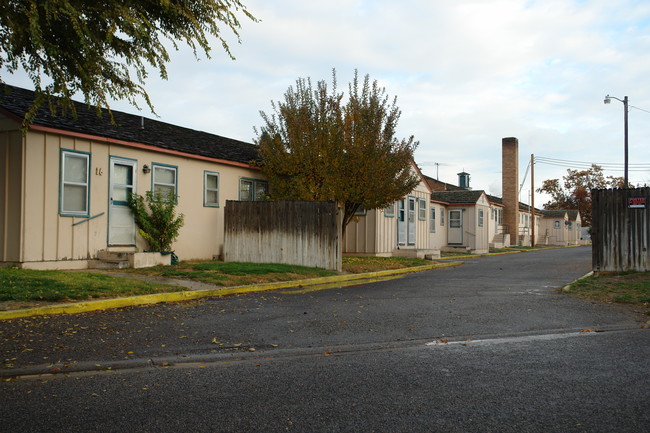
[466,73]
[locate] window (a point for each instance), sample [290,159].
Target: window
[556,224]
[361,211]
[570,225]
[389,211]
[75,183]
[442,216]
[422,209]
[480,217]
[210,189]
[432,220]
[253,189]
[164,181]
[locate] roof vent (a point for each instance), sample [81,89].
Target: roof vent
[463,180]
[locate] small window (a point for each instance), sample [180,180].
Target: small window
[442,216]
[361,211]
[422,209]
[211,189]
[432,220]
[556,224]
[480,217]
[253,189]
[389,211]
[164,181]
[75,183]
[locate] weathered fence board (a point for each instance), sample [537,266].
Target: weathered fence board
[291,232]
[620,229]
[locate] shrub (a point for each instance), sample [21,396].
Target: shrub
[155,216]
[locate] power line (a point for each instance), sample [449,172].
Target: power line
[607,166]
[567,161]
[632,106]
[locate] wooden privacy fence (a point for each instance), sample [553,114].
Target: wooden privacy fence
[291,232]
[620,231]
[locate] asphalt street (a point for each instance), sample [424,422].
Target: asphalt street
[491,346]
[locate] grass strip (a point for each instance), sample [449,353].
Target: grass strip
[620,287]
[52,286]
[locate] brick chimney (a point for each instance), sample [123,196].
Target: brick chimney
[510,186]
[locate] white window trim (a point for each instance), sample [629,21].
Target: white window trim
[154,167]
[480,217]
[206,189]
[432,219]
[63,183]
[422,209]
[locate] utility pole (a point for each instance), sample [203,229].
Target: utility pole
[625,102]
[532,200]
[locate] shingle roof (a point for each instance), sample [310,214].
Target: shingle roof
[573,214]
[465,196]
[436,185]
[128,127]
[552,213]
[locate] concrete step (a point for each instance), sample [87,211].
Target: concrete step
[108,264]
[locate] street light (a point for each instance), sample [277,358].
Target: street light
[608,99]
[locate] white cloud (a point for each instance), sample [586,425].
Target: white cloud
[466,73]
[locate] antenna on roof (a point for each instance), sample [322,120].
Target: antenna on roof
[437,164]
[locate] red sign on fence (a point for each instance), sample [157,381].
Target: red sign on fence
[636,202]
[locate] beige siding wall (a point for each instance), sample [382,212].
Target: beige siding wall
[574,232]
[438,239]
[482,232]
[11,156]
[376,234]
[386,231]
[552,235]
[47,236]
[361,233]
[494,227]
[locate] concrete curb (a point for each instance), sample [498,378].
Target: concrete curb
[567,287]
[105,304]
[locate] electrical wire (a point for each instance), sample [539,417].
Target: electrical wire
[607,166]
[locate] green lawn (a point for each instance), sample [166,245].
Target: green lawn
[30,285]
[626,288]
[22,285]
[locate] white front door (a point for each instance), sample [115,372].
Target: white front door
[455,233]
[121,225]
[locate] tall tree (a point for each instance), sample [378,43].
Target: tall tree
[575,191]
[103,48]
[315,146]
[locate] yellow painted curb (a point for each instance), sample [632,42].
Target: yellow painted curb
[468,256]
[105,304]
